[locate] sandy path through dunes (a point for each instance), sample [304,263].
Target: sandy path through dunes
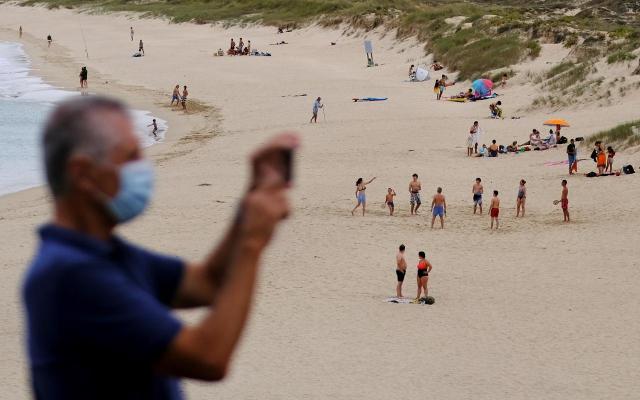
[537,309]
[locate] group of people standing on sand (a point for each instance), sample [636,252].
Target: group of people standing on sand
[239,49]
[441,85]
[424,267]
[84,74]
[180,98]
[439,202]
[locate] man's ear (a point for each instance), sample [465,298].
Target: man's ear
[83,175]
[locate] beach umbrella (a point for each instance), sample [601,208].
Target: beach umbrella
[556,122]
[482,87]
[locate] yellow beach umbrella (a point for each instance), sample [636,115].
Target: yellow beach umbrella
[556,122]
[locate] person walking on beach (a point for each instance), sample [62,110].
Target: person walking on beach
[522,198]
[401,270]
[155,128]
[183,100]
[131,30]
[438,208]
[494,210]
[361,197]
[98,307]
[388,200]
[572,154]
[83,77]
[175,96]
[477,191]
[20,32]
[141,47]
[316,106]
[49,40]
[474,132]
[564,201]
[414,194]
[424,267]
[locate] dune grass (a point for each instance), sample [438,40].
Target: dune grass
[624,135]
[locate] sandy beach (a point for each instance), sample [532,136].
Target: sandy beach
[538,309]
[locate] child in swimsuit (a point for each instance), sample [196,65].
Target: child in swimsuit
[610,154]
[389,200]
[495,209]
[522,196]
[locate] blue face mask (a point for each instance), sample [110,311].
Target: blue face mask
[136,187]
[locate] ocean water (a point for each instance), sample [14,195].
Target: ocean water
[25,102]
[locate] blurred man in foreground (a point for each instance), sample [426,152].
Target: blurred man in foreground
[99,315]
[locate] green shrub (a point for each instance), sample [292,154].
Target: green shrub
[625,135]
[620,56]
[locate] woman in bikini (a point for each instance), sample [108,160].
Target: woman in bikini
[361,186]
[522,197]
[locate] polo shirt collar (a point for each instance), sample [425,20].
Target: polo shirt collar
[78,239]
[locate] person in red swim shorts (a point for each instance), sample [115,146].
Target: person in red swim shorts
[494,210]
[564,201]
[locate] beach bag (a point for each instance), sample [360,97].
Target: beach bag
[628,169]
[591,174]
[562,140]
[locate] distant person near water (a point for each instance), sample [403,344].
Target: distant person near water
[131,31]
[99,309]
[522,198]
[183,100]
[20,31]
[494,210]
[438,208]
[477,191]
[155,127]
[175,96]
[83,77]
[361,197]
[414,194]
[316,106]
[49,40]
[141,47]
[424,268]
[388,200]
[401,269]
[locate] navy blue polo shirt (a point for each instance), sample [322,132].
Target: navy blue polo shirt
[98,318]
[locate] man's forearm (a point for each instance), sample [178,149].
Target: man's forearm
[218,263]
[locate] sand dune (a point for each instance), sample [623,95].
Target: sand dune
[536,309]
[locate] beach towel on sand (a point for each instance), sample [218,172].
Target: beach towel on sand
[369,99]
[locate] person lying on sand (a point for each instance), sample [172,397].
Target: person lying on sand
[436,66]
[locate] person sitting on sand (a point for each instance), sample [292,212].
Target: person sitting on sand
[361,186]
[496,111]
[412,73]
[483,152]
[493,149]
[436,66]
[521,198]
[610,154]
[513,147]
[388,200]
[469,95]
[438,208]
[401,270]
[534,138]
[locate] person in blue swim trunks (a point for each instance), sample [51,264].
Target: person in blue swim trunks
[361,186]
[477,195]
[438,208]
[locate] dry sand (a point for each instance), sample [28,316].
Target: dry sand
[539,309]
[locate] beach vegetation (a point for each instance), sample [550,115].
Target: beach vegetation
[624,136]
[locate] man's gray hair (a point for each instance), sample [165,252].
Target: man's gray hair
[72,128]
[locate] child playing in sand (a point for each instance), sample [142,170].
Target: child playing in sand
[389,200]
[494,210]
[401,269]
[438,208]
[155,128]
[610,154]
[496,111]
[522,198]
[424,267]
[477,191]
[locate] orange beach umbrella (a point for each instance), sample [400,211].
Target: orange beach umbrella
[556,122]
